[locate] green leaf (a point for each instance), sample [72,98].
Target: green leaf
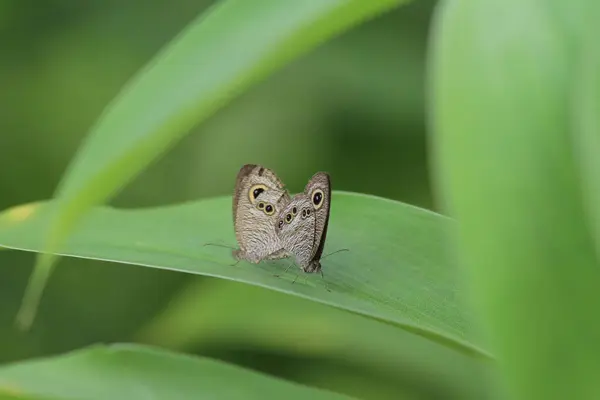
[131,372]
[396,360]
[11,396]
[586,100]
[503,131]
[398,268]
[218,56]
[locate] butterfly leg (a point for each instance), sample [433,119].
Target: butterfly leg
[289,266]
[237,254]
[286,270]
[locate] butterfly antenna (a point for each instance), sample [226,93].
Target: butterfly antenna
[337,251]
[219,245]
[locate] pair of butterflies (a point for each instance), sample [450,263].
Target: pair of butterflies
[270,225]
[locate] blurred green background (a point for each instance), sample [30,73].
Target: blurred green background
[354,107]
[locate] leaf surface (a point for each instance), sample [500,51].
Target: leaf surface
[131,372]
[399,268]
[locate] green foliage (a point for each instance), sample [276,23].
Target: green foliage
[217,56]
[585,101]
[161,105]
[134,372]
[409,282]
[512,111]
[515,91]
[404,362]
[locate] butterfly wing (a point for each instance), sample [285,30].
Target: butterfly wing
[259,194]
[296,229]
[302,224]
[244,172]
[318,191]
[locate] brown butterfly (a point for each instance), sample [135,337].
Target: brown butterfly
[302,223]
[258,198]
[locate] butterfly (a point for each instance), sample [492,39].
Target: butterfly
[258,198]
[302,223]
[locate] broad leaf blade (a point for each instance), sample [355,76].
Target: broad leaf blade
[290,326]
[586,101]
[219,55]
[502,82]
[135,372]
[398,268]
